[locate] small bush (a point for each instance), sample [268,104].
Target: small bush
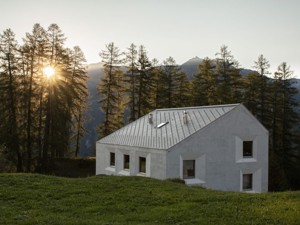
[176,180]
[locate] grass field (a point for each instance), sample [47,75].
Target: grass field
[37,199]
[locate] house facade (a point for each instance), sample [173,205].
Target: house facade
[221,147]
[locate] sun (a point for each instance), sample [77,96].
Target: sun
[49,71]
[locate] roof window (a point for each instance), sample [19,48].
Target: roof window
[162,124]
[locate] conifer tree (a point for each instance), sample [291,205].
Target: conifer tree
[171,72]
[284,146]
[251,93]
[157,99]
[9,91]
[262,65]
[182,93]
[131,80]
[33,56]
[144,83]
[78,88]
[108,88]
[228,77]
[205,84]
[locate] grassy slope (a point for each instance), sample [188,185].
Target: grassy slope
[37,199]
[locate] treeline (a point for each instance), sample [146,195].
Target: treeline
[42,98]
[134,85]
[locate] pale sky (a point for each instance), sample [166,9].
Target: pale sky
[182,29]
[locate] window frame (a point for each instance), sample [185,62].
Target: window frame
[140,164]
[112,163]
[247,149]
[185,175]
[125,162]
[248,187]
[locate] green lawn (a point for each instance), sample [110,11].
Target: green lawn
[37,199]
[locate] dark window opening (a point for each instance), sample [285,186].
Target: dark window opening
[142,168]
[247,182]
[247,149]
[188,169]
[112,159]
[126,161]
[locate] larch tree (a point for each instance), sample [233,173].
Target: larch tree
[228,77]
[144,83]
[77,85]
[9,91]
[157,98]
[131,80]
[33,56]
[108,88]
[205,84]
[171,72]
[284,144]
[262,66]
[251,93]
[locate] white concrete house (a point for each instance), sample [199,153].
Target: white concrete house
[222,147]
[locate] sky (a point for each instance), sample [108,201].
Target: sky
[182,29]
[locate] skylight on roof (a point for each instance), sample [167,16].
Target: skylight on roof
[162,124]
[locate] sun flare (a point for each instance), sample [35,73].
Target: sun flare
[49,71]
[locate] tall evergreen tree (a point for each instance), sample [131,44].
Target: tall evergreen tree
[205,84]
[78,89]
[108,88]
[144,83]
[33,55]
[251,93]
[9,83]
[229,87]
[157,98]
[171,72]
[262,65]
[182,94]
[131,80]
[284,145]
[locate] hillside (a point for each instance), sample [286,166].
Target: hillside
[93,115]
[37,199]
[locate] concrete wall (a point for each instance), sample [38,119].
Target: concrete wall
[155,161]
[217,151]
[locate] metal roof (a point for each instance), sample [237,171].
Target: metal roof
[141,133]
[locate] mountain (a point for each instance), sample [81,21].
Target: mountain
[93,115]
[190,67]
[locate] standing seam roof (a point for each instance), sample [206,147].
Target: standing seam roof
[141,133]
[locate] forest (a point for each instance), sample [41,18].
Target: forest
[42,113]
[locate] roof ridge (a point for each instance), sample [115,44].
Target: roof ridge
[198,107]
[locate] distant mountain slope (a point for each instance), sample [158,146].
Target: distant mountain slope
[93,115]
[190,67]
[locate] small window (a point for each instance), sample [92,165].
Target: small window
[126,161]
[188,169]
[112,159]
[247,181]
[142,168]
[248,149]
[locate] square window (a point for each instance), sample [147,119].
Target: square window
[247,181]
[126,161]
[248,149]
[188,169]
[112,159]
[142,168]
